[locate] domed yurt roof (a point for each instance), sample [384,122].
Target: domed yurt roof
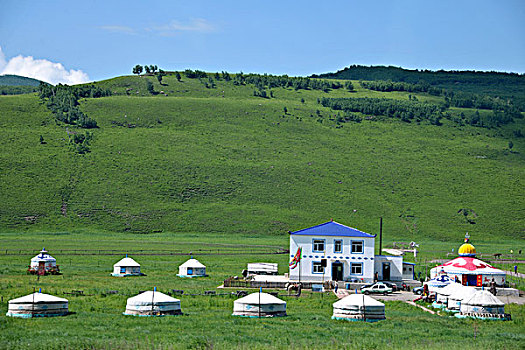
[438,282]
[43,256]
[264,298]
[192,263]
[467,249]
[482,298]
[152,303]
[450,289]
[462,293]
[359,300]
[127,262]
[38,298]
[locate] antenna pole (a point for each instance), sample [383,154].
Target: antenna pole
[380,235]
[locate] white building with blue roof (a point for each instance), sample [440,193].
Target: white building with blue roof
[332,251]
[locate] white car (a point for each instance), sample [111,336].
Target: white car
[377,288]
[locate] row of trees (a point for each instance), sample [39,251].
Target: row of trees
[266,81]
[508,86]
[452,98]
[151,69]
[62,101]
[404,110]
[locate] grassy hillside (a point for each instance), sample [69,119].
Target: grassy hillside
[197,159]
[505,85]
[17,80]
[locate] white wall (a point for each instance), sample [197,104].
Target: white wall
[346,257]
[396,266]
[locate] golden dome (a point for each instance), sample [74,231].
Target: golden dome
[467,249]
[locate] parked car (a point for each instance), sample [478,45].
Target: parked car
[418,290]
[377,288]
[394,286]
[367,285]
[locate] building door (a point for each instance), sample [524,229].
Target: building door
[472,280]
[386,271]
[337,271]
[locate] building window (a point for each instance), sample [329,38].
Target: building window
[318,245]
[317,267]
[122,270]
[357,269]
[338,246]
[357,247]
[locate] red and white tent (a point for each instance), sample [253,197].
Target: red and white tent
[470,271]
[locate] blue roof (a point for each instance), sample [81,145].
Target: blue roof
[332,228]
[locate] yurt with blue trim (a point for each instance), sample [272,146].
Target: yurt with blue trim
[359,307]
[259,305]
[126,267]
[44,264]
[483,305]
[37,305]
[152,303]
[192,268]
[441,281]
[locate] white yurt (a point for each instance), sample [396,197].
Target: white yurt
[126,267]
[44,262]
[443,293]
[482,304]
[359,307]
[152,303]
[259,305]
[455,299]
[37,305]
[192,268]
[435,284]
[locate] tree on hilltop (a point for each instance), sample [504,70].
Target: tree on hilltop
[177,75]
[137,69]
[160,75]
[147,69]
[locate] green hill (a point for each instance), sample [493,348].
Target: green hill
[504,85]
[17,80]
[207,155]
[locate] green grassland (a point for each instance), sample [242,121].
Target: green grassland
[97,320]
[199,170]
[195,161]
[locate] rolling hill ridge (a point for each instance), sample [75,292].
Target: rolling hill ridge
[212,154]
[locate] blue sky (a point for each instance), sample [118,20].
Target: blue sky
[94,40]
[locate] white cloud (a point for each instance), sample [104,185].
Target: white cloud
[119,29]
[194,25]
[41,69]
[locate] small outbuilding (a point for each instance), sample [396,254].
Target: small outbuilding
[359,307]
[482,304]
[192,268]
[37,305]
[126,267]
[152,303]
[44,264]
[259,305]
